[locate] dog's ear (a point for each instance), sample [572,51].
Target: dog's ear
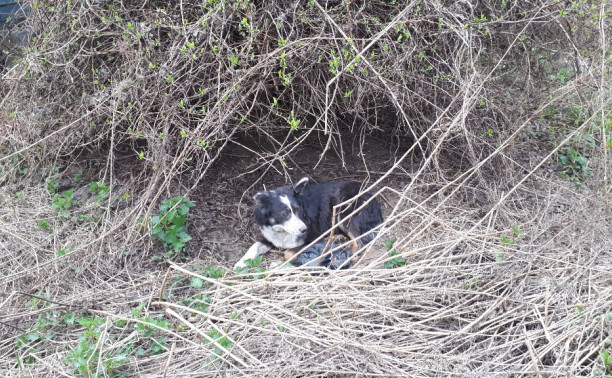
[260,197]
[260,211]
[300,185]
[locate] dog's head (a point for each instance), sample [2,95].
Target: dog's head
[280,216]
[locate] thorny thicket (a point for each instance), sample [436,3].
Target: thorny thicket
[505,252]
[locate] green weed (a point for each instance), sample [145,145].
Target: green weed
[52,185]
[606,359]
[293,122]
[63,202]
[395,262]
[220,339]
[169,226]
[30,344]
[27,345]
[44,225]
[473,284]
[214,271]
[100,190]
[508,240]
[252,266]
[549,113]
[199,302]
[575,165]
[154,343]
[84,358]
[16,163]
[286,77]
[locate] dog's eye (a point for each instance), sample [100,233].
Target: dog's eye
[284,213]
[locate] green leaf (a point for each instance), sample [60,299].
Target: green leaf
[184,237]
[197,282]
[395,262]
[252,263]
[170,215]
[606,358]
[516,231]
[214,271]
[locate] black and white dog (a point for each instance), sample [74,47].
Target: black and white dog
[292,216]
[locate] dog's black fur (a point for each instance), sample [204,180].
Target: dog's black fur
[292,216]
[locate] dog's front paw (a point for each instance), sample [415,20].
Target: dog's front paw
[256,250]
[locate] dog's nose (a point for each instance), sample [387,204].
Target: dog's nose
[303,231]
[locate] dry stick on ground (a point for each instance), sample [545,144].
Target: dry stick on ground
[602,89]
[466,175]
[530,173]
[52,367]
[226,352]
[244,293]
[58,131]
[83,247]
[128,319]
[319,327]
[163,285]
[297,332]
[170,354]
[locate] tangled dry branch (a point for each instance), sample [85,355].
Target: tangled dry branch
[483,126]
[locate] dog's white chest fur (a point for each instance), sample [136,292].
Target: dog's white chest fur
[281,238]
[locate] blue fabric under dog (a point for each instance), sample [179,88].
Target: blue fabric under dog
[335,260]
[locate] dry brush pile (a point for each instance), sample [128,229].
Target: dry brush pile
[497,252]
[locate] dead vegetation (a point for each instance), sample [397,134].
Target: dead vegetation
[484,127]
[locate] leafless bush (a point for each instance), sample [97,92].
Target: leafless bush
[181,80]
[505,261]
